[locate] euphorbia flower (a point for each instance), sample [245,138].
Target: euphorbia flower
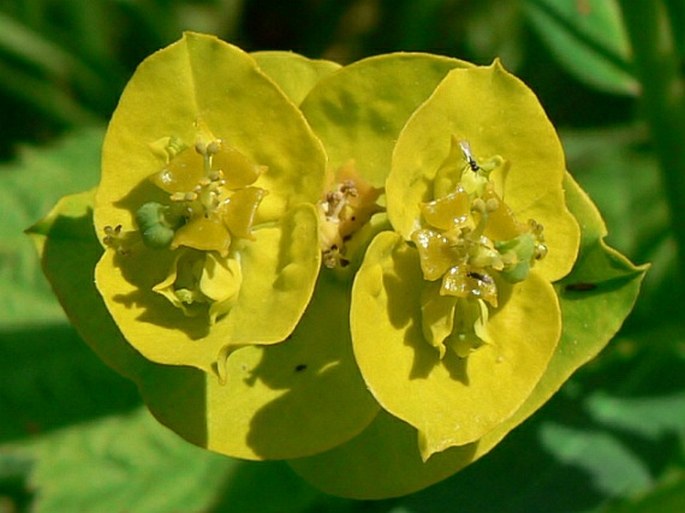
[454,317]
[206,205]
[215,214]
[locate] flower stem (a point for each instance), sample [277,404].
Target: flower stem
[657,66]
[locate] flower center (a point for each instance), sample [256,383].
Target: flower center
[470,243]
[343,211]
[211,199]
[211,205]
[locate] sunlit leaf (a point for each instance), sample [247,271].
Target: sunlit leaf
[614,469]
[124,463]
[28,189]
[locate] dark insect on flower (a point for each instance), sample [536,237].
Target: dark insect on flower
[468,155]
[484,278]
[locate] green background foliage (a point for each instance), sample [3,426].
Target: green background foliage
[74,436]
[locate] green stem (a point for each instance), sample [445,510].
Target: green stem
[663,94]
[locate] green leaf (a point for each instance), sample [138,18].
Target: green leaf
[124,463]
[264,409]
[28,189]
[267,487]
[295,75]
[634,205]
[49,380]
[588,39]
[667,497]
[630,413]
[613,467]
[392,464]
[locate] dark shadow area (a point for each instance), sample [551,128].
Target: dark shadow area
[175,394]
[325,400]
[16,491]
[49,380]
[403,289]
[403,294]
[517,476]
[158,311]
[426,357]
[145,267]
[457,367]
[177,398]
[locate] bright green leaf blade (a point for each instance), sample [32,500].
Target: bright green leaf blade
[613,467]
[359,111]
[295,75]
[125,463]
[28,189]
[389,448]
[264,410]
[588,39]
[665,414]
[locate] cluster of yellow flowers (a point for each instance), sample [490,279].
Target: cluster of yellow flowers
[351,268]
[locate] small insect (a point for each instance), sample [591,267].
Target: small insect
[300,367]
[580,287]
[483,278]
[468,155]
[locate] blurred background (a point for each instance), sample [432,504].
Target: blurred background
[73,435]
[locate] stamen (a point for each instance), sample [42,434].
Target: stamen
[343,211]
[114,239]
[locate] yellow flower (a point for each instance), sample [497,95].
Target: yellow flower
[207,207]
[454,317]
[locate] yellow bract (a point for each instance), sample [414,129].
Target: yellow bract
[206,204]
[469,315]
